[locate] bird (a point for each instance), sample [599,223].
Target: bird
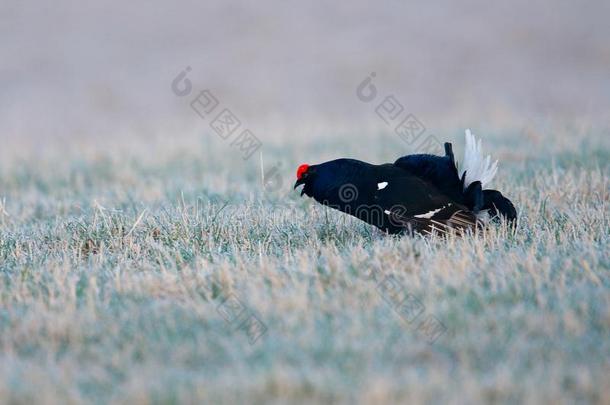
[419,193]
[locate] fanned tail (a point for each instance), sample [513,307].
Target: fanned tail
[476,167]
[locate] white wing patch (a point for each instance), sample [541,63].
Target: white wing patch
[475,166]
[382,185]
[429,214]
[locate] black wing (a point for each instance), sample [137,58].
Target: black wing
[417,206]
[440,171]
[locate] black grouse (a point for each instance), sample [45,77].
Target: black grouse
[418,193]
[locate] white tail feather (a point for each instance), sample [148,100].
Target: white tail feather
[475,166]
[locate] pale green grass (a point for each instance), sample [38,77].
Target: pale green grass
[106,254]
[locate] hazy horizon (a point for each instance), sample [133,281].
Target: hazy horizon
[70,69]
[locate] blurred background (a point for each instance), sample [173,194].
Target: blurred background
[76,69]
[117,201]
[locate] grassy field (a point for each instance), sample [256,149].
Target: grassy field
[159,270]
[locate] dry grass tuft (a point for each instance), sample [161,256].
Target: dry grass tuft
[123,266]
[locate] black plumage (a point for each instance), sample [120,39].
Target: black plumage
[417,193]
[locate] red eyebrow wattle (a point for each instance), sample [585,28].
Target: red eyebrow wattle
[301,170]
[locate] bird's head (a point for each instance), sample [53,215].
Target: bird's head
[305,175]
[324,180]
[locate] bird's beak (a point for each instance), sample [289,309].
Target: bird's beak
[298,183]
